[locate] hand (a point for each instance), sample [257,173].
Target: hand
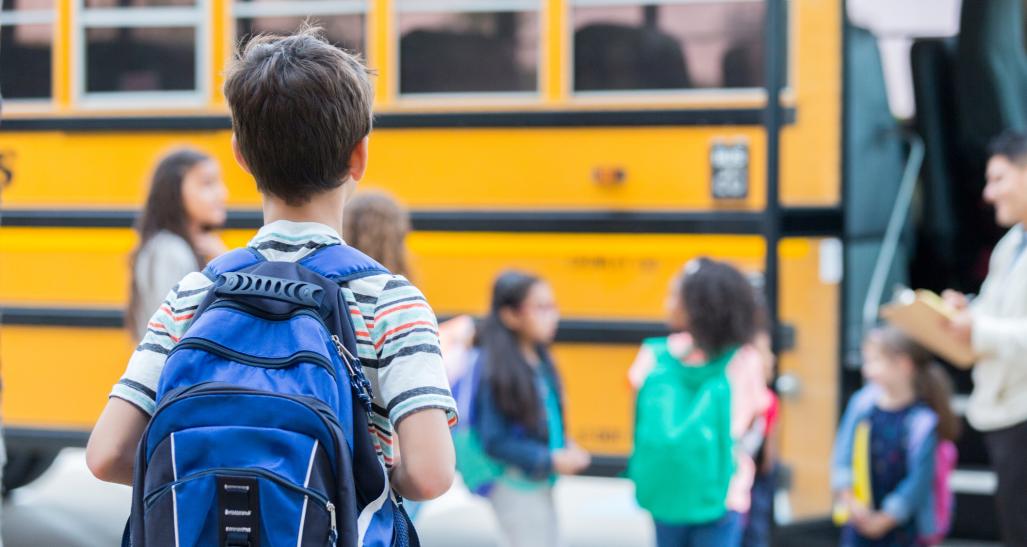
[571,460]
[874,524]
[853,507]
[961,327]
[209,245]
[956,299]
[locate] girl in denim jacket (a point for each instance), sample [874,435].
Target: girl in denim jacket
[519,410]
[883,471]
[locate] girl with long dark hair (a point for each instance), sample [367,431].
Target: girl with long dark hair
[186,203]
[520,410]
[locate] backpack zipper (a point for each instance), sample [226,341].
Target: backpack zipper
[357,380]
[151,498]
[264,362]
[257,312]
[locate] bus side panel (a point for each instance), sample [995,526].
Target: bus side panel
[640,168]
[810,302]
[811,147]
[600,412]
[59,377]
[595,276]
[72,267]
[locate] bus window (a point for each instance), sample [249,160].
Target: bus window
[670,45]
[459,47]
[141,46]
[343,22]
[26,41]
[137,3]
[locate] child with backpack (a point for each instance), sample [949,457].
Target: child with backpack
[290,391]
[894,449]
[519,410]
[685,457]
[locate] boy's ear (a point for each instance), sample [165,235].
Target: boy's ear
[238,155]
[358,160]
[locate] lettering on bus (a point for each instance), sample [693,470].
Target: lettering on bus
[600,435]
[6,172]
[614,262]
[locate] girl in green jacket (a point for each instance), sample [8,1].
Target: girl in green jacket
[684,453]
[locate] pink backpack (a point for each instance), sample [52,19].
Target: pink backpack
[945,458]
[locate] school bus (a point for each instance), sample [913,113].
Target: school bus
[599,143]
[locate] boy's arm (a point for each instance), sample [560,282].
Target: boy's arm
[110,453]
[414,390]
[427,460]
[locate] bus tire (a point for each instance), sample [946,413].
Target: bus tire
[25,465]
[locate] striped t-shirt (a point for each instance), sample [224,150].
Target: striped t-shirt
[397,335]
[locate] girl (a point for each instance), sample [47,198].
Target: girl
[377,225]
[185,205]
[883,467]
[519,410]
[701,389]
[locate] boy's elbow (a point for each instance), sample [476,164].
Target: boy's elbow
[108,463]
[430,485]
[103,464]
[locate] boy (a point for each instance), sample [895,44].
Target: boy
[301,115]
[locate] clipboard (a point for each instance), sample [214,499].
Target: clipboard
[922,315]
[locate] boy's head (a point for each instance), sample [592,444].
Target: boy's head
[301,110]
[1006,187]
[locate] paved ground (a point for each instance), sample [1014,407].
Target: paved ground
[68,507]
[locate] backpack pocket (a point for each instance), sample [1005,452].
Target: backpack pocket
[291,354]
[230,466]
[238,506]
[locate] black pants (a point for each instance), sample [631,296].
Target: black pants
[1008,451]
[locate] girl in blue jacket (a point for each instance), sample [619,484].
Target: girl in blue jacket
[883,471]
[519,410]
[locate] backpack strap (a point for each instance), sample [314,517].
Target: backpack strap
[342,263]
[233,261]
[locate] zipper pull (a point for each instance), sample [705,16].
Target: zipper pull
[357,380]
[333,537]
[343,352]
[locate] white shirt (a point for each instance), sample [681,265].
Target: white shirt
[999,398]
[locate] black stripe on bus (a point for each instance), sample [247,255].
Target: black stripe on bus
[102,318]
[570,331]
[39,438]
[820,221]
[431,120]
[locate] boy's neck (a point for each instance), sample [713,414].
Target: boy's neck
[896,397]
[325,208]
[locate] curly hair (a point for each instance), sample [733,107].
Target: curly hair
[720,305]
[378,225]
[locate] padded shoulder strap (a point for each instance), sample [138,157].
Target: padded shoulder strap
[342,263]
[233,261]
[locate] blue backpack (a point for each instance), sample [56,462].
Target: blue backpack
[260,436]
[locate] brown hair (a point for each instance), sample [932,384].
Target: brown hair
[377,225]
[164,211]
[931,383]
[299,107]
